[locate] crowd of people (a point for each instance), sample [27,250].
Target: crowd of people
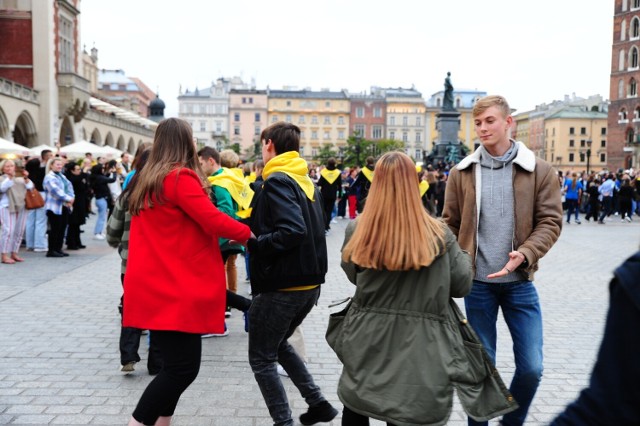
[417,238]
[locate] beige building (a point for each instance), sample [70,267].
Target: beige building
[323,117]
[405,118]
[576,139]
[247,119]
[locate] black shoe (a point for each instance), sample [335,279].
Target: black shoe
[81,246]
[63,253]
[73,248]
[320,413]
[54,254]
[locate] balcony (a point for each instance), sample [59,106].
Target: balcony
[18,91]
[73,95]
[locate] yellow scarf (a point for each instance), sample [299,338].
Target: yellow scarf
[239,190]
[293,166]
[424,187]
[251,178]
[367,173]
[330,175]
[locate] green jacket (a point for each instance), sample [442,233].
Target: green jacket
[396,344]
[224,202]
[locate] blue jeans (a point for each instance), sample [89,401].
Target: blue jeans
[521,310]
[36,229]
[274,316]
[573,208]
[101,203]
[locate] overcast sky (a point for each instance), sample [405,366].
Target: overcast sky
[530,52]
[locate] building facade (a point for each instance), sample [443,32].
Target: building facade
[322,116]
[368,116]
[45,95]
[207,110]
[126,92]
[406,111]
[247,118]
[624,110]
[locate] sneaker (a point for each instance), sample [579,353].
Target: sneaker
[578,222]
[223,334]
[334,221]
[227,313]
[128,367]
[40,250]
[320,413]
[628,219]
[98,237]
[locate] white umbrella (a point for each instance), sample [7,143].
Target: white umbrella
[80,148]
[109,150]
[37,150]
[8,147]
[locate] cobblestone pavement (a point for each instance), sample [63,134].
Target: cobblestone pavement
[59,327]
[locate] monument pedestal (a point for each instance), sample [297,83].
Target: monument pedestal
[447,124]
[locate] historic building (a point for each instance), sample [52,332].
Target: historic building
[207,110]
[405,118]
[47,83]
[126,92]
[247,118]
[368,116]
[624,109]
[322,116]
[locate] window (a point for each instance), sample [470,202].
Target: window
[633,58]
[603,144]
[302,151]
[376,132]
[289,103]
[623,30]
[236,130]
[301,119]
[405,137]
[287,118]
[621,60]
[418,121]
[377,112]
[341,134]
[635,4]
[358,129]
[67,56]
[302,134]
[572,130]
[622,115]
[219,126]
[405,121]
[603,158]
[635,28]
[203,126]
[244,100]
[633,87]
[582,157]
[274,119]
[327,119]
[603,130]
[418,154]
[571,143]
[236,116]
[257,131]
[392,135]
[392,121]
[620,89]
[583,130]
[359,112]
[326,135]
[314,134]
[256,117]
[327,104]
[250,100]
[418,137]
[314,119]
[340,120]
[571,157]
[553,131]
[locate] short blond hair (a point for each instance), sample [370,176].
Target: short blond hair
[493,100]
[229,158]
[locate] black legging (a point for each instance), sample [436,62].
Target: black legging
[181,354]
[349,418]
[57,227]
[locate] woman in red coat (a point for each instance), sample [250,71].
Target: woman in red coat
[175,282]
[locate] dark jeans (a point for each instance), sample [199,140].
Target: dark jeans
[342,206]
[593,209]
[274,316]
[130,343]
[521,311]
[572,208]
[328,211]
[349,418]
[57,227]
[607,206]
[181,354]
[73,235]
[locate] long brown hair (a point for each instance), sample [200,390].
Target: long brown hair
[395,232]
[173,148]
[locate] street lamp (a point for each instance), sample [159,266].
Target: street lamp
[358,141]
[588,154]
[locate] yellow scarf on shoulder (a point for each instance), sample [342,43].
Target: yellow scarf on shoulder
[251,178]
[424,187]
[293,166]
[367,173]
[238,188]
[330,175]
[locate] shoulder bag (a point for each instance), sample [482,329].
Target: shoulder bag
[33,199]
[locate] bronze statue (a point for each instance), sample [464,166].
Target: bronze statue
[447,104]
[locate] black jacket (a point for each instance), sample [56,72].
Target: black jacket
[290,249]
[100,185]
[330,191]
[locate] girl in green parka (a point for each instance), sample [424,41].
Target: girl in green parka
[395,345]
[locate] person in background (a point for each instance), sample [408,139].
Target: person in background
[100,179]
[503,203]
[141,148]
[36,229]
[13,214]
[77,217]
[625,195]
[363,183]
[606,191]
[330,185]
[59,202]
[573,193]
[342,202]
[403,284]
[176,297]
[118,228]
[593,209]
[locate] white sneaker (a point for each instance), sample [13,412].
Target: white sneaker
[334,221]
[98,237]
[40,250]
[284,373]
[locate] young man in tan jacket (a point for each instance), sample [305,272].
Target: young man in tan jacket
[503,203]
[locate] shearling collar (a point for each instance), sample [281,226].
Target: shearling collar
[525,158]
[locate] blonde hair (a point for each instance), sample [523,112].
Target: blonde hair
[395,232]
[229,158]
[50,162]
[492,100]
